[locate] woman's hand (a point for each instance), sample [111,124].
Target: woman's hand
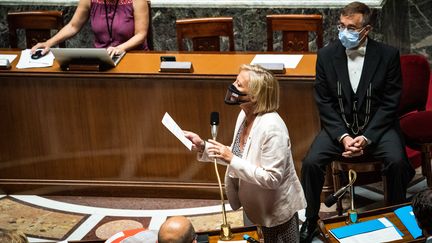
[197,143]
[41,45]
[78,20]
[114,50]
[220,151]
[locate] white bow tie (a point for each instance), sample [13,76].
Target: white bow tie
[353,53]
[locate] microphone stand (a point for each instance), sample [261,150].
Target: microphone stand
[352,212]
[225,233]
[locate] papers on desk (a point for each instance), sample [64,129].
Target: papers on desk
[8,57]
[26,61]
[376,230]
[406,216]
[289,61]
[176,130]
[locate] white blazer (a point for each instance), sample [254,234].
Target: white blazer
[264,180]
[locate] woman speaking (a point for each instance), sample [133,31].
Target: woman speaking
[260,176]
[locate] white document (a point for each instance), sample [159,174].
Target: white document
[289,61]
[383,235]
[26,61]
[176,130]
[8,57]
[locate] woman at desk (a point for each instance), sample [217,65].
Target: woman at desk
[118,25]
[260,176]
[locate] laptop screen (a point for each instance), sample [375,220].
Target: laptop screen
[66,56]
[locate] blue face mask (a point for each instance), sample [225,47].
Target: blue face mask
[349,39]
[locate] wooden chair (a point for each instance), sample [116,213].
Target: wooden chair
[37,26]
[359,165]
[205,33]
[295,31]
[415,119]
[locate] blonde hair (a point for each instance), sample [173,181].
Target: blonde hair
[12,236]
[263,88]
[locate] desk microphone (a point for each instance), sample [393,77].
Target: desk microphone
[214,122]
[250,239]
[332,199]
[225,233]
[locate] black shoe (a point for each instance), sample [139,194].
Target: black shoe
[309,230]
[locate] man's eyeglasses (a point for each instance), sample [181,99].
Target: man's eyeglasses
[342,27]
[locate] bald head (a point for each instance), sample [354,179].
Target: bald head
[176,229]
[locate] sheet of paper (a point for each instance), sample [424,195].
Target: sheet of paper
[26,61]
[383,235]
[176,130]
[386,232]
[8,57]
[289,61]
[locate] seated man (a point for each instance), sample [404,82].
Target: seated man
[357,89]
[177,229]
[422,208]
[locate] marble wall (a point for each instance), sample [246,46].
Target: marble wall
[249,24]
[420,26]
[406,24]
[82,39]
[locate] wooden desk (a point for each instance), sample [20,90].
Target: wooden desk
[331,223]
[208,64]
[100,133]
[237,234]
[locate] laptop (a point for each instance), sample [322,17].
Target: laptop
[66,56]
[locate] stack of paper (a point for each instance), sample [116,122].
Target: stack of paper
[26,61]
[377,230]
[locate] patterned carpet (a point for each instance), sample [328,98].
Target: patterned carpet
[48,220]
[212,222]
[109,226]
[36,221]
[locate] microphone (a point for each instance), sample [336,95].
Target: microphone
[332,199]
[214,122]
[225,233]
[250,239]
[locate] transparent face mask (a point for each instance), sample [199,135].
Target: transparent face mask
[233,96]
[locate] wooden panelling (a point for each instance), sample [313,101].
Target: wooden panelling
[101,133]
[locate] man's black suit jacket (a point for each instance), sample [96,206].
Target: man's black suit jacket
[381,69]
